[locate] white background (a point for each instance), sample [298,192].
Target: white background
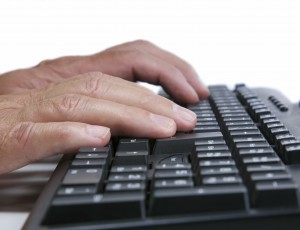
[256,42]
[227,41]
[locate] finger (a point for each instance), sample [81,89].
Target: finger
[33,141]
[122,119]
[154,70]
[97,85]
[185,68]
[140,65]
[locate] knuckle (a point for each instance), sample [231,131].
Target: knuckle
[44,63]
[93,82]
[98,83]
[142,42]
[22,132]
[68,103]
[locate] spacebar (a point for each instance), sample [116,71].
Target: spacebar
[182,142]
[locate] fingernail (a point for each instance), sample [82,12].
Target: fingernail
[162,121]
[97,131]
[184,113]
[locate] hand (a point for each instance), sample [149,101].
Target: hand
[134,61]
[76,112]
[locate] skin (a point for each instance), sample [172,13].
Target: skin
[63,104]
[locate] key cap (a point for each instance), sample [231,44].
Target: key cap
[83,176]
[182,143]
[210,142]
[196,200]
[108,206]
[206,123]
[260,144]
[270,175]
[178,173]
[214,171]
[204,129]
[174,166]
[174,159]
[278,166]
[125,186]
[243,134]
[217,180]
[173,183]
[132,152]
[275,193]
[292,153]
[213,155]
[248,139]
[256,152]
[99,163]
[94,150]
[129,169]
[210,148]
[260,160]
[96,155]
[238,123]
[77,190]
[204,163]
[135,176]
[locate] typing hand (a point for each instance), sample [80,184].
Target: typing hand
[82,111]
[138,60]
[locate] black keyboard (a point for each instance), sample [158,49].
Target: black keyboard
[239,168]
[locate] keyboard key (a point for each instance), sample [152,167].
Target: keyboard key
[173,166]
[174,159]
[280,193]
[101,162]
[183,142]
[132,152]
[221,162]
[277,166]
[83,176]
[96,155]
[214,171]
[125,186]
[134,176]
[292,153]
[173,183]
[252,144]
[94,150]
[110,206]
[77,190]
[221,180]
[168,173]
[129,169]
[197,200]
[270,175]
[204,129]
